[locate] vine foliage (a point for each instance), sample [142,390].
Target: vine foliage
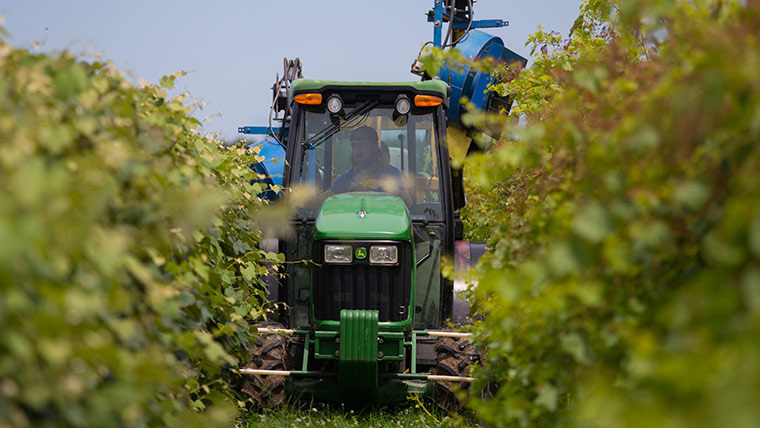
[129,268]
[623,217]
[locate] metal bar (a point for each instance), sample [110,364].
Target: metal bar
[305,360]
[451,378]
[437,23]
[260,130]
[281,331]
[294,373]
[386,376]
[483,23]
[414,352]
[428,377]
[445,334]
[265,372]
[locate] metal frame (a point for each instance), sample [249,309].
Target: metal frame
[412,375]
[437,19]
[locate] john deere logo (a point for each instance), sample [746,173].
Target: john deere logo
[361,253]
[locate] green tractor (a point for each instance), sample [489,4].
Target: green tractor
[365,315]
[367,310]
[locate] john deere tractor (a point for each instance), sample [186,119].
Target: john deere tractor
[367,308]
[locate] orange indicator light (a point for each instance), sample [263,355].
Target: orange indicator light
[427,101]
[311,99]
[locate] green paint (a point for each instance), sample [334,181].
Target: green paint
[358,351]
[399,326]
[360,378]
[326,345]
[364,215]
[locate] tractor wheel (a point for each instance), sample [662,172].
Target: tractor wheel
[269,353]
[454,357]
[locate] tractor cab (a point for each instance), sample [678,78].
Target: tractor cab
[373,155]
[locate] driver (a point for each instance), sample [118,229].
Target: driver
[370,169]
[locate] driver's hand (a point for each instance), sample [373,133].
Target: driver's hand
[371,184]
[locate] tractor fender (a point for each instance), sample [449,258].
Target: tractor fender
[466,256]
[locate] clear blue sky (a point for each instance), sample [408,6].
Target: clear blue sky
[233,48]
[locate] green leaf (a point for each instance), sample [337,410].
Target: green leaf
[59,138]
[573,344]
[593,222]
[548,396]
[200,268]
[646,137]
[691,194]
[240,247]
[754,235]
[720,251]
[70,81]
[751,289]
[167,82]
[249,271]
[186,299]
[562,259]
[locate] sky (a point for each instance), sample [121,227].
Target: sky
[233,49]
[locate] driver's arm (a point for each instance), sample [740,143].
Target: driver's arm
[341,185]
[393,183]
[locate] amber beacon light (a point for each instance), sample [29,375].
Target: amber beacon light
[427,101]
[310,99]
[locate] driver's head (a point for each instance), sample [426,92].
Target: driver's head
[364,147]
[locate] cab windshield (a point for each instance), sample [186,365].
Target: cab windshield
[373,148]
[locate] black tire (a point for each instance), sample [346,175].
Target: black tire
[454,357]
[269,353]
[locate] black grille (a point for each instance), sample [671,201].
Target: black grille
[360,285]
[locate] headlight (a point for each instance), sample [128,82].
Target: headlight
[338,253]
[383,254]
[334,104]
[403,105]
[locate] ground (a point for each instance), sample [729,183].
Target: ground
[414,415]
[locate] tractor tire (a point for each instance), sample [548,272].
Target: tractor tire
[454,357]
[269,353]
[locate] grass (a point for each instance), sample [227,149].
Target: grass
[414,415]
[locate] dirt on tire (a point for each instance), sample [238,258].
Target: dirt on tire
[269,353]
[454,356]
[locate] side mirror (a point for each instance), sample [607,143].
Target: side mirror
[457,187]
[458,227]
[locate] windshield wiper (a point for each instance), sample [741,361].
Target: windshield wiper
[332,129]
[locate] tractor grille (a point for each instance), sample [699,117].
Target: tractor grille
[360,285]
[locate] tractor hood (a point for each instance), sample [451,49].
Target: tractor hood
[364,215]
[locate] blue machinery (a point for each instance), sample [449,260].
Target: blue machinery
[474,45]
[462,33]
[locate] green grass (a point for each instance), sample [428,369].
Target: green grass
[414,415]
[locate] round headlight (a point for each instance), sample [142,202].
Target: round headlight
[403,105]
[334,104]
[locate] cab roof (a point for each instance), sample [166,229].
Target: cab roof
[427,87]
